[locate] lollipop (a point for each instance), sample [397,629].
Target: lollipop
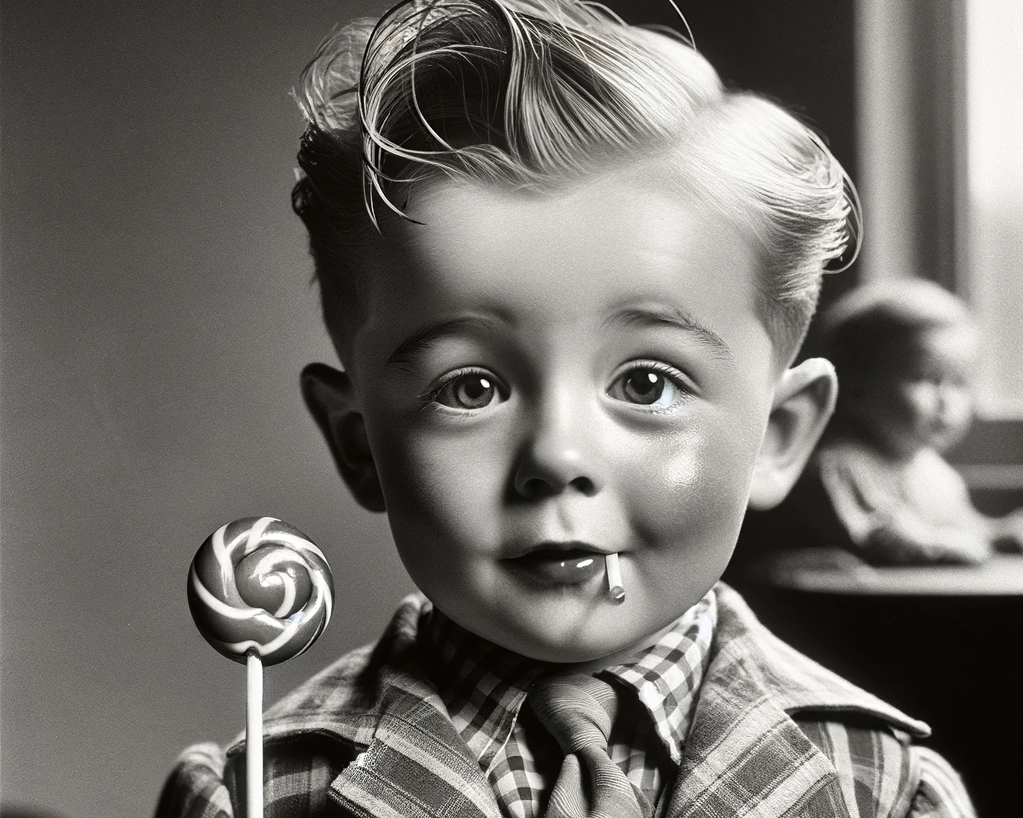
[260,593]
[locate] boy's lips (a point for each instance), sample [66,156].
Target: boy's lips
[524,548]
[561,563]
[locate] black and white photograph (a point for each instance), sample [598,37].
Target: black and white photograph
[511,409]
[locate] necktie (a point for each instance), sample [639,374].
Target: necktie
[578,711]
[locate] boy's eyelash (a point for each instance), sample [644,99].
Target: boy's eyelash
[677,377]
[430,395]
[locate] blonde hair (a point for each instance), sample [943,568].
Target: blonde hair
[536,94]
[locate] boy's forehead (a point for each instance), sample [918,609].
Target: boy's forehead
[459,219]
[623,235]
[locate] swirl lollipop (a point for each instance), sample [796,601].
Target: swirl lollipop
[260,593]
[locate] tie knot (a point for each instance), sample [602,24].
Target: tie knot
[578,710]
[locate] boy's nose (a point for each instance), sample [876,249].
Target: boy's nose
[558,456]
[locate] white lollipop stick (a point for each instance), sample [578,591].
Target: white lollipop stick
[614,578]
[254,736]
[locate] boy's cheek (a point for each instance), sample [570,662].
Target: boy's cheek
[684,574]
[440,486]
[698,491]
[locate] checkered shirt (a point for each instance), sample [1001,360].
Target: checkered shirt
[484,688]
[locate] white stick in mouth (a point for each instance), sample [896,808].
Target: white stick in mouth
[614,578]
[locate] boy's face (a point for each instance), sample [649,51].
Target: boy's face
[546,380]
[924,397]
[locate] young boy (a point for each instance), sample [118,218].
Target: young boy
[905,352]
[566,273]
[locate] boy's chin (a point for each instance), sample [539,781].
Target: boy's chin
[600,644]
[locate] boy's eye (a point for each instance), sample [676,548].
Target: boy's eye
[468,390]
[646,386]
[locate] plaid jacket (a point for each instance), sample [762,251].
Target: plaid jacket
[774,734]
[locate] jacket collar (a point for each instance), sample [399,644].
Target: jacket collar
[414,764]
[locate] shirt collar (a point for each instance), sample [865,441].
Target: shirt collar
[667,676]
[483,686]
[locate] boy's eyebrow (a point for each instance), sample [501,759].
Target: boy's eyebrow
[404,356]
[672,315]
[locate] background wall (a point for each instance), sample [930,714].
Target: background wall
[156,311]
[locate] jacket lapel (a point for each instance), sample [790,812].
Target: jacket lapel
[745,755]
[410,760]
[416,765]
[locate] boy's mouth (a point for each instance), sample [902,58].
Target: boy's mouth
[562,563]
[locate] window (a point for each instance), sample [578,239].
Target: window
[940,127]
[992,272]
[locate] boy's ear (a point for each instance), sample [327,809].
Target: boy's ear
[803,403]
[328,394]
